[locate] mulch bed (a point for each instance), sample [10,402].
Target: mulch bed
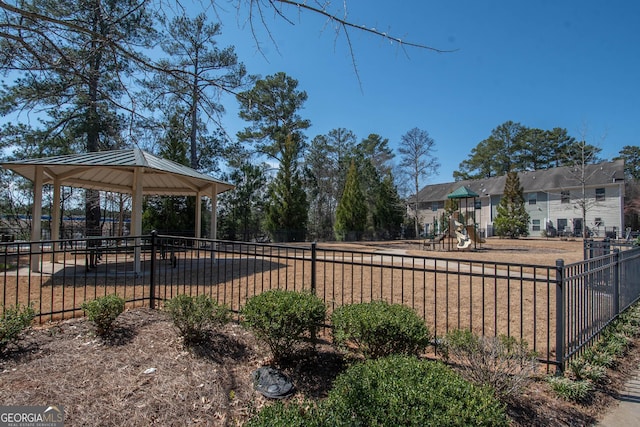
[143,375]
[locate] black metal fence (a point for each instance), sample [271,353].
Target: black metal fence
[595,248]
[592,293]
[57,277]
[558,310]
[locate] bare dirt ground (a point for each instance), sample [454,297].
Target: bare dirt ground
[537,251]
[143,375]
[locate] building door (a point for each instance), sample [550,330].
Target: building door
[577,227]
[562,226]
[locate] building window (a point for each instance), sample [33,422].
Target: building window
[599,194]
[565,197]
[434,206]
[535,225]
[533,199]
[478,204]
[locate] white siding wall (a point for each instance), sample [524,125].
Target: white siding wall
[609,210]
[548,207]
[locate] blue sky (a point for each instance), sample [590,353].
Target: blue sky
[545,64]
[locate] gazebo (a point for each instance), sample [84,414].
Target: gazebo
[133,171]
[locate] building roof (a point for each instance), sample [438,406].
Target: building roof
[115,171]
[549,180]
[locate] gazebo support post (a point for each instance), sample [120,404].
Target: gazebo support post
[214,219]
[198,232]
[136,217]
[36,220]
[55,221]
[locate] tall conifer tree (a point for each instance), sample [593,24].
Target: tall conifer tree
[287,205]
[512,219]
[351,214]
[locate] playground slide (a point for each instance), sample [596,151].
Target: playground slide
[463,241]
[473,235]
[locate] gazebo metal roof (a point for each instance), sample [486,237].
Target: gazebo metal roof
[115,170]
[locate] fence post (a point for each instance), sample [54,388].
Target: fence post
[314,330]
[586,249]
[313,268]
[152,287]
[560,315]
[616,281]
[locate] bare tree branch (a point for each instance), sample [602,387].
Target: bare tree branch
[345,24]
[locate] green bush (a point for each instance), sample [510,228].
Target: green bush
[283,319]
[396,390]
[13,322]
[281,414]
[600,358]
[503,363]
[379,329]
[403,390]
[195,317]
[614,344]
[103,311]
[582,369]
[567,389]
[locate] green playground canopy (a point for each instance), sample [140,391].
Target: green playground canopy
[463,193]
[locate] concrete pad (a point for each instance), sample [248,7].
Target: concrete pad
[627,412]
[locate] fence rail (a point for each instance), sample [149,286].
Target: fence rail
[558,310]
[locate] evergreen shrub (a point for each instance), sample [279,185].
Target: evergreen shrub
[404,390]
[103,311]
[292,414]
[393,391]
[283,319]
[195,317]
[13,322]
[377,329]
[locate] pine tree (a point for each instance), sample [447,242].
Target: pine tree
[241,212]
[351,214]
[389,211]
[287,209]
[200,72]
[512,219]
[276,131]
[326,163]
[171,213]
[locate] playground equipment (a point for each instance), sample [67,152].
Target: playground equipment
[431,243]
[464,241]
[457,230]
[472,232]
[465,233]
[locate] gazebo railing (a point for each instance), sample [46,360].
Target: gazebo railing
[70,272]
